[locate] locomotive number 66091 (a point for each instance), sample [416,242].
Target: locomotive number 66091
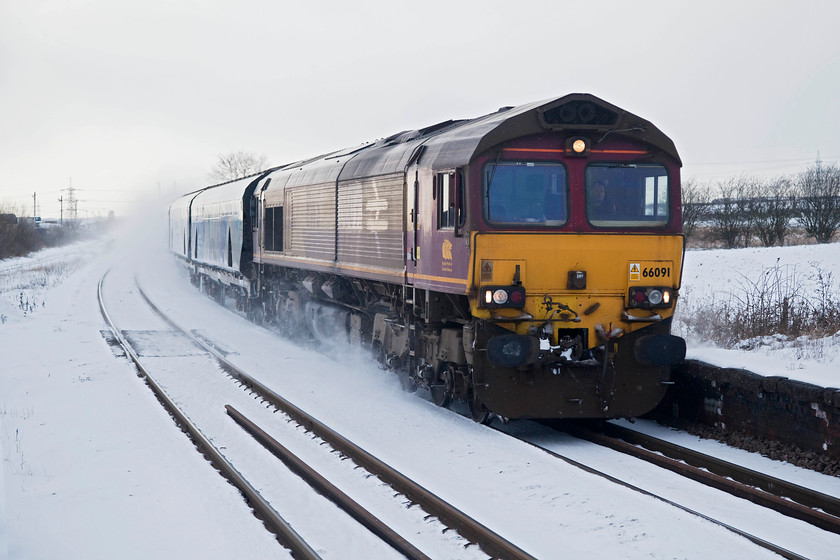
[656,272]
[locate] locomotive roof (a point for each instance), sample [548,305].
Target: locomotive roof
[453,144]
[220,192]
[224,192]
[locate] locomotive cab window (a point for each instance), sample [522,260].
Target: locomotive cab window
[627,195]
[525,193]
[449,196]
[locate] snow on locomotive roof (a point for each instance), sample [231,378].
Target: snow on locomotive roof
[224,192]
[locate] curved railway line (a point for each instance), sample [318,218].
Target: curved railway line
[273,520]
[791,500]
[490,542]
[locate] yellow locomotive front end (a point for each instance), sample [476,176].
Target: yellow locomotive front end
[574,325]
[574,280]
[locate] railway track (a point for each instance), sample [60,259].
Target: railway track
[275,523]
[758,541]
[792,500]
[782,496]
[487,540]
[466,526]
[206,340]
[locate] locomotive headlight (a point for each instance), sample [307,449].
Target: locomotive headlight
[654,297]
[495,297]
[647,298]
[577,146]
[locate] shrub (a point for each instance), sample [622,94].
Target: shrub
[774,303]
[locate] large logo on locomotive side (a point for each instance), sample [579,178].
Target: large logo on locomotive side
[446,249]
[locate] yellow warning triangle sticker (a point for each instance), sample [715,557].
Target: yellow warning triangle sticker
[634,268]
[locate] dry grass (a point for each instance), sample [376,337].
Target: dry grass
[773,304]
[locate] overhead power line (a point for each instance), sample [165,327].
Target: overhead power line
[755,162]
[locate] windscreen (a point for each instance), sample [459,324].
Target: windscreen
[627,195]
[527,193]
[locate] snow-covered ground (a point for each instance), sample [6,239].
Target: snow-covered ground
[714,276]
[94,468]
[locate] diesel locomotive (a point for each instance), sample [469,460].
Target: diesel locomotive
[527,261]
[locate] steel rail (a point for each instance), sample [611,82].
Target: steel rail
[784,497]
[803,495]
[767,545]
[275,523]
[326,488]
[489,541]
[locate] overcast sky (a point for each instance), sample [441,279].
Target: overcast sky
[124,99]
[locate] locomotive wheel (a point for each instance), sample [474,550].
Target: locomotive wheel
[259,314]
[284,325]
[441,391]
[478,411]
[397,365]
[379,353]
[406,382]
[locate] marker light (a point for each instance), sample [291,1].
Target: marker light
[512,296]
[647,298]
[579,146]
[500,297]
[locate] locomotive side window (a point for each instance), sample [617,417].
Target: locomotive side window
[445,195]
[268,227]
[273,222]
[529,193]
[448,193]
[229,250]
[627,195]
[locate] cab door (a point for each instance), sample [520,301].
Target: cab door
[442,255]
[413,215]
[412,225]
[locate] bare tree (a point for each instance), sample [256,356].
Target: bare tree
[8,230]
[732,214]
[819,200]
[18,236]
[235,165]
[695,205]
[773,208]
